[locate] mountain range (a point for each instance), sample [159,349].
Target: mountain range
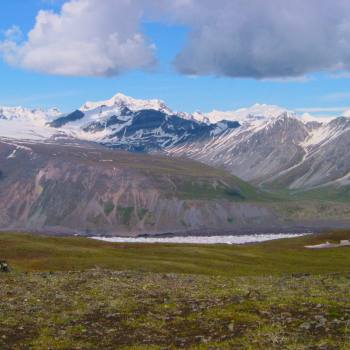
[268,146]
[131,167]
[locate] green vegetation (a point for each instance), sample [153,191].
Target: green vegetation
[75,293]
[330,193]
[125,214]
[141,213]
[150,219]
[103,309]
[231,220]
[40,253]
[323,211]
[108,207]
[97,220]
[201,181]
[208,188]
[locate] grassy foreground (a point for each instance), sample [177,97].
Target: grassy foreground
[74,293]
[40,253]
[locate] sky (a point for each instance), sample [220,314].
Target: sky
[193,54]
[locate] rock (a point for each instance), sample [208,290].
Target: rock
[321,320]
[300,275]
[200,339]
[305,326]
[4,267]
[336,321]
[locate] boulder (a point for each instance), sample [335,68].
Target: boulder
[4,266]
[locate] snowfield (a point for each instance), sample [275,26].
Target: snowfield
[203,240]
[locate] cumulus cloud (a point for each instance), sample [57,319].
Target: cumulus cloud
[264,39]
[88,37]
[261,39]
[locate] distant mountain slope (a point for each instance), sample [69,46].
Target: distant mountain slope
[85,188]
[151,130]
[268,146]
[254,152]
[282,152]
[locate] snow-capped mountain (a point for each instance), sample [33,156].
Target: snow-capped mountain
[136,125]
[120,101]
[267,145]
[255,151]
[36,116]
[25,123]
[255,112]
[284,151]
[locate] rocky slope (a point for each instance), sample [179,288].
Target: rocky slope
[282,152]
[76,187]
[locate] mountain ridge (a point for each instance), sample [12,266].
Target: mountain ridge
[266,145]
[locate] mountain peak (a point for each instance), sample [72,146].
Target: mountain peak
[255,112]
[121,101]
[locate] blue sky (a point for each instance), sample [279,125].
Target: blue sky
[26,87]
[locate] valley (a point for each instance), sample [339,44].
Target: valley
[174,175]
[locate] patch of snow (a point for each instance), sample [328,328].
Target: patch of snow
[220,128]
[323,134]
[27,124]
[25,130]
[202,240]
[327,245]
[13,154]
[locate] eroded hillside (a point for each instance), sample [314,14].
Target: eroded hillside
[85,188]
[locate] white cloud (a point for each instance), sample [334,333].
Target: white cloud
[322,113]
[260,39]
[321,109]
[264,39]
[87,38]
